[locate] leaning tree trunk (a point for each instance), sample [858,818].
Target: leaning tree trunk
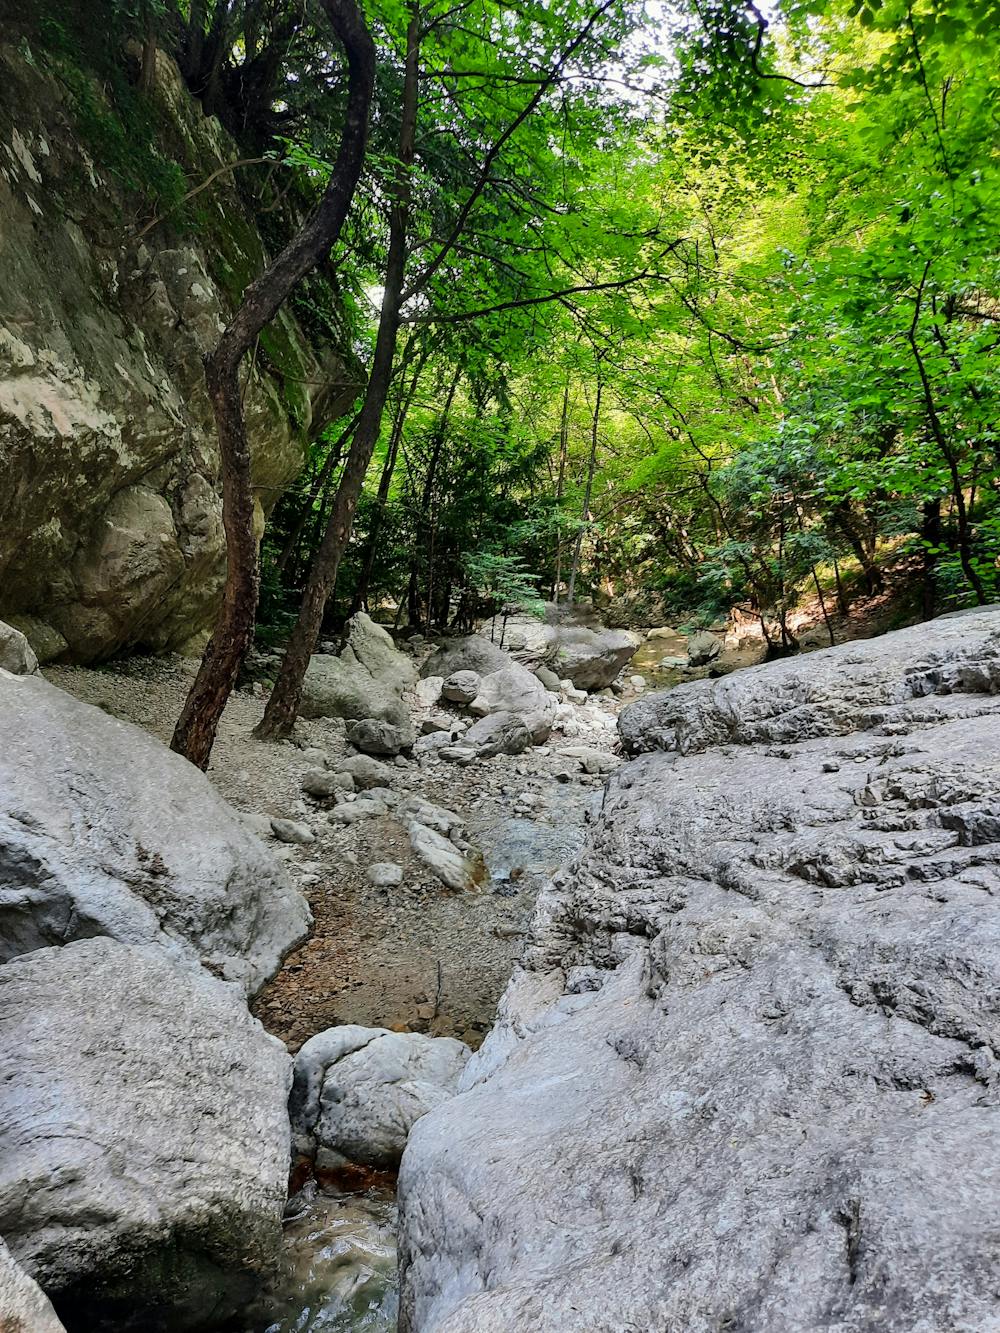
[196,727]
[585,519]
[283,704]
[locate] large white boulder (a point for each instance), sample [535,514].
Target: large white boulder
[359,1091]
[144,1138]
[518,693]
[104,831]
[747,1073]
[473,652]
[366,680]
[16,655]
[590,658]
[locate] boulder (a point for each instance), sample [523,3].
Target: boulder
[471,653]
[661,632]
[746,1075]
[366,680]
[516,691]
[46,643]
[373,737]
[442,858]
[292,831]
[591,658]
[24,1307]
[548,677]
[499,733]
[104,831]
[432,816]
[461,687]
[366,771]
[143,1135]
[703,648]
[385,875]
[352,812]
[321,784]
[591,759]
[16,655]
[358,1092]
[428,691]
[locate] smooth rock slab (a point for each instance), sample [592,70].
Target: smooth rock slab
[747,1075]
[143,1135]
[104,831]
[358,1091]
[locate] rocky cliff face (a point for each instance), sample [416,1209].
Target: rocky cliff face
[110,511]
[747,1075]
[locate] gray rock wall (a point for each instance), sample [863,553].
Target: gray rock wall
[747,1075]
[110,511]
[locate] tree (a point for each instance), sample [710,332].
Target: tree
[195,731]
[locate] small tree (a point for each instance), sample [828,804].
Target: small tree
[501,586]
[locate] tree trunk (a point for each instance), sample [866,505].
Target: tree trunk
[843,516]
[316,489]
[932,538]
[425,527]
[560,482]
[196,727]
[591,467]
[283,705]
[361,592]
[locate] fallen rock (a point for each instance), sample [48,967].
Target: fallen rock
[548,677]
[104,831]
[441,857]
[366,771]
[591,658]
[376,738]
[437,722]
[24,1307]
[16,655]
[703,648]
[351,812]
[590,759]
[515,691]
[471,653]
[428,691]
[385,875]
[747,1073]
[461,687]
[662,632]
[500,733]
[321,783]
[292,831]
[358,1091]
[143,1135]
[432,816]
[366,680]
[458,754]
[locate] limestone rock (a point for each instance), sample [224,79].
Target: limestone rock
[358,1091]
[746,1075]
[143,1133]
[24,1307]
[461,687]
[16,655]
[320,783]
[104,831]
[516,691]
[428,691]
[499,733]
[366,771]
[703,648]
[591,658]
[591,759]
[373,737]
[829,693]
[292,831]
[385,875]
[442,858]
[111,513]
[366,680]
[471,653]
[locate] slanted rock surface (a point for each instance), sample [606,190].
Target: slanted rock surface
[104,831]
[16,654]
[24,1307]
[590,658]
[471,653]
[111,509]
[366,680]
[358,1092]
[746,1076]
[144,1136]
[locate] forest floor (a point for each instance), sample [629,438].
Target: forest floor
[417,957]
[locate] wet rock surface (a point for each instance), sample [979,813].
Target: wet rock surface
[745,1075]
